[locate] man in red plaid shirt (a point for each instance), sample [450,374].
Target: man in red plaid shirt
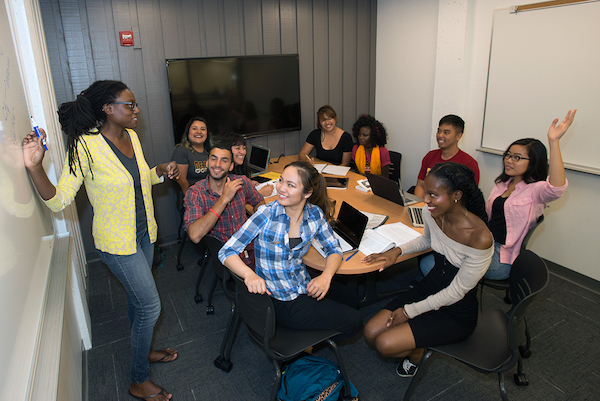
[216,205]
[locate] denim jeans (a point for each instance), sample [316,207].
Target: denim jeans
[497,270]
[426,264]
[143,303]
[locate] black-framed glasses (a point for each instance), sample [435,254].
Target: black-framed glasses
[515,158]
[131,105]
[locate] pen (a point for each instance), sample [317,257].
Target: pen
[308,157]
[348,258]
[38,133]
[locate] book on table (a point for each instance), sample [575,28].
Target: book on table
[386,237]
[375,219]
[336,183]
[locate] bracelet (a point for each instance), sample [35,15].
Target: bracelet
[405,314]
[216,214]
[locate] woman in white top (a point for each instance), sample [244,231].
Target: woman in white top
[442,308]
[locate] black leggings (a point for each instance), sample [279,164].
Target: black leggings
[306,313]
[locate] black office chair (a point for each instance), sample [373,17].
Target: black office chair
[494,345]
[279,343]
[396,159]
[504,284]
[222,274]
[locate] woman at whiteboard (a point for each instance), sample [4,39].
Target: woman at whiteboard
[526,185]
[105,154]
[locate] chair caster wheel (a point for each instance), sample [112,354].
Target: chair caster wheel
[525,352]
[198,298]
[210,310]
[179,267]
[521,379]
[223,364]
[507,300]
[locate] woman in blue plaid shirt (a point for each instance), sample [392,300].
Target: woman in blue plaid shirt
[283,231]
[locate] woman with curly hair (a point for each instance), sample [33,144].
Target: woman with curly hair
[370,155]
[442,308]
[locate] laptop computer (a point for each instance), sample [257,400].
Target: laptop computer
[348,227]
[392,191]
[258,159]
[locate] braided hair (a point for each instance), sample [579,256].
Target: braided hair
[458,177]
[78,117]
[378,132]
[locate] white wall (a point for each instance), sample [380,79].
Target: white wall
[412,89]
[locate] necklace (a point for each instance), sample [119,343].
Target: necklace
[453,227]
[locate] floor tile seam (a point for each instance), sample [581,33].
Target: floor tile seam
[573,311]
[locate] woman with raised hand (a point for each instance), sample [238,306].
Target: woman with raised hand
[283,231]
[442,308]
[333,144]
[191,155]
[105,154]
[523,190]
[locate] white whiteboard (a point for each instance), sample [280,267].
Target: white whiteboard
[542,63]
[26,233]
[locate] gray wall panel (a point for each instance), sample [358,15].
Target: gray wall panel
[335,40]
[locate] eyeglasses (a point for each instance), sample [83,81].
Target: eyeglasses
[515,158]
[131,105]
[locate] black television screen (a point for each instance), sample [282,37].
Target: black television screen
[250,95]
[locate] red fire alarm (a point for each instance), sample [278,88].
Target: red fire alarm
[126,38]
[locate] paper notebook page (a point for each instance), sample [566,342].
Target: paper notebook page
[320,167]
[398,233]
[272,182]
[375,220]
[373,242]
[335,170]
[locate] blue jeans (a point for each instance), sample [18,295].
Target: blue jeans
[426,264]
[143,303]
[497,270]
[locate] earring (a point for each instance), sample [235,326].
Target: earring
[455,200]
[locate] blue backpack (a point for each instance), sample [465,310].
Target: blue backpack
[311,378]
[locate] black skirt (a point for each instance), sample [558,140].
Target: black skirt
[447,325]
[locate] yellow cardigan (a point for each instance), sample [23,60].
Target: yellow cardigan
[110,192]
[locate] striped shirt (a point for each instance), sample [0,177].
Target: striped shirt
[285,275]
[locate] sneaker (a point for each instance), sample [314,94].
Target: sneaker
[406,368]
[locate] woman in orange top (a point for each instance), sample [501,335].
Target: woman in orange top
[370,155]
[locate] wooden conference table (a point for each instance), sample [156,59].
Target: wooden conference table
[364,201]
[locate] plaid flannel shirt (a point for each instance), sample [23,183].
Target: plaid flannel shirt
[200,197]
[281,267]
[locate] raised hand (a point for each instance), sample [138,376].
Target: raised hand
[557,131]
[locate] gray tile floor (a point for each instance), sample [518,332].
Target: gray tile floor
[564,322]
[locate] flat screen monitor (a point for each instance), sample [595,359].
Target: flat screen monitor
[249,95]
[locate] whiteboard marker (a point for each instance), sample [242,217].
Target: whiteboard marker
[38,133]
